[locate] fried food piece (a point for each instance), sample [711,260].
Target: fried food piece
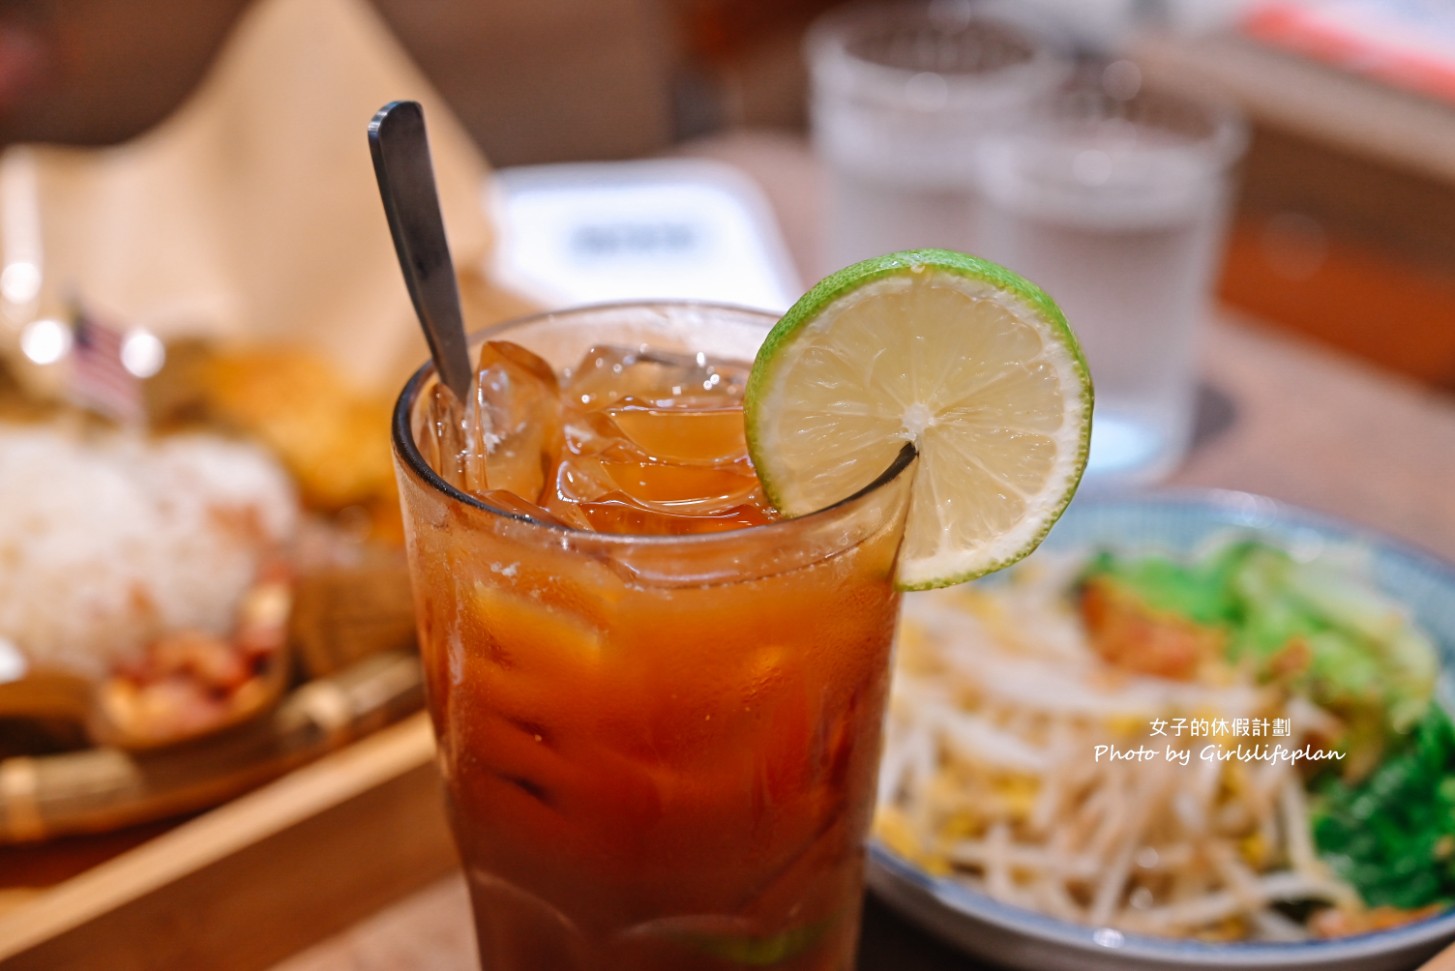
[330,434]
[1131,634]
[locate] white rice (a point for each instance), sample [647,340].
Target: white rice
[108,539]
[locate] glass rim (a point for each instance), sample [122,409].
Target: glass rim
[1222,146]
[826,46]
[407,449]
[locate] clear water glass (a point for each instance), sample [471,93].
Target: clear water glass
[1113,195]
[902,94]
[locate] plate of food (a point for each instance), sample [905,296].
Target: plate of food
[1194,730]
[198,591]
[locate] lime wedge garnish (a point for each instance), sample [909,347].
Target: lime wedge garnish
[971,362]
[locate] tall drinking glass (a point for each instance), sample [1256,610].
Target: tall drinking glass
[659,752]
[902,94]
[1112,195]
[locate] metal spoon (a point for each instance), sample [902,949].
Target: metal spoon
[400,147]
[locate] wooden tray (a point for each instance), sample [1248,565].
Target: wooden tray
[246,884]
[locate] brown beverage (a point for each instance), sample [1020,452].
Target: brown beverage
[658,705]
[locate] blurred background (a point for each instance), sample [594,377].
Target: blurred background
[183,185]
[1345,222]
[1345,214]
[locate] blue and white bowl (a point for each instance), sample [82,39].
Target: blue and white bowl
[1181,523]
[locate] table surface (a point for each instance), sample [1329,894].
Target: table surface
[1279,417]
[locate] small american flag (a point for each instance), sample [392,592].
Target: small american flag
[100,380]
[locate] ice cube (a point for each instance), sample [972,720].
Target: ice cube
[424,426]
[670,487]
[609,373]
[519,398]
[697,430]
[643,496]
[579,478]
[451,439]
[653,444]
[682,487]
[567,512]
[596,433]
[507,501]
[618,512]
[574,480]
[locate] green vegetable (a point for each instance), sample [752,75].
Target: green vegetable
[1392,835]
[1315,626]
[1197,590]
[1386,822]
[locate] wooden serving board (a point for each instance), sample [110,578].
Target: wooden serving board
[248,883]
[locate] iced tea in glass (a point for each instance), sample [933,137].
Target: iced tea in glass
[657,704]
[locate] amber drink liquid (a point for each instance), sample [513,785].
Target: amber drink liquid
[658,705]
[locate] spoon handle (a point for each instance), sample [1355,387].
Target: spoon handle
[400,148]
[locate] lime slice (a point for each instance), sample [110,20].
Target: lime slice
[971,362]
